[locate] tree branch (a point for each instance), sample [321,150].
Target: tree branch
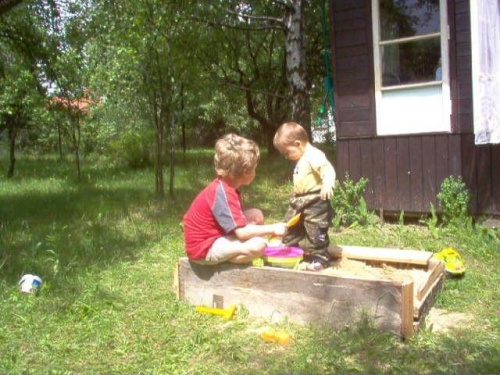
[256,18]
[229,26]
[246,88]
[6,5]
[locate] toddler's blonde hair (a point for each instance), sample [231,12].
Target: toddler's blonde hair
[235,155]
[288,133]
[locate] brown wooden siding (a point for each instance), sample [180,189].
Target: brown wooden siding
[460,65]
[353,67]
[405,172]
[480,170]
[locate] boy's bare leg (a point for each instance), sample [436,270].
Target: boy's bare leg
[230,249]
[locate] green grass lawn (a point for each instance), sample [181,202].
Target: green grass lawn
[106,247]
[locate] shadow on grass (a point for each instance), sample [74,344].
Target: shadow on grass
[55,227]
[57,234]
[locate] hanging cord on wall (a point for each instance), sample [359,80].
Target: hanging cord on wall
[328,80]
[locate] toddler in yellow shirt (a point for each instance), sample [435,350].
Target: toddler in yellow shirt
[313,183]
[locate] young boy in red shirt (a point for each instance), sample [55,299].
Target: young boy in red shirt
[216,228]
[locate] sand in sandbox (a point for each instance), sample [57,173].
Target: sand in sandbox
[350,267]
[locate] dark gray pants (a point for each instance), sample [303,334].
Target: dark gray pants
[311,232]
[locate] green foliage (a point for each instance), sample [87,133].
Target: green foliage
[133,150]
[349,204]
[432,222]
[454,199]
[221,115]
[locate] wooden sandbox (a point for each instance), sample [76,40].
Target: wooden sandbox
[395,288]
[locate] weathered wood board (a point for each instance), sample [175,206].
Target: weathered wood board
[306,297]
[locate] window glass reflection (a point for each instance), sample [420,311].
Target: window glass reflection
[412,62]
[405,18]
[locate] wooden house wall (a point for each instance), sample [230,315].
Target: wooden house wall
[480,164]
[353,67]
[405,172]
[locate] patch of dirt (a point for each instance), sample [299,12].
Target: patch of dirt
[493,223]
[440,320]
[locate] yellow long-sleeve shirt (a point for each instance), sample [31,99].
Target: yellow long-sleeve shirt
[312,171]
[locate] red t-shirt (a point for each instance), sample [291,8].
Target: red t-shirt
[215,212]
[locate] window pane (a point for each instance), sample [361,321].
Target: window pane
[405,18]
[411,62]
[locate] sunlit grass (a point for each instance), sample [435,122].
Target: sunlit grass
[106,248]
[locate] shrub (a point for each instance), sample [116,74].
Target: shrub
[454,199]
[134,149]
[349,204]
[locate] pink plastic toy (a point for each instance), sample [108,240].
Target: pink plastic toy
[283,256]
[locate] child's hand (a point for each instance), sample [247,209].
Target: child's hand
[326,191]
[280,229]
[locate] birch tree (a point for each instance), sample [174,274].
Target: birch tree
[251,17]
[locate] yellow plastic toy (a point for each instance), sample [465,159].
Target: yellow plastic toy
[453,263]
[258,262]
[293,221]
[227,313]
[280,337]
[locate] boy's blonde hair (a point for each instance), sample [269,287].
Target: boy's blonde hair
[235,155]
[288,133]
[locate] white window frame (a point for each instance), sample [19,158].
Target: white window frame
[444,83]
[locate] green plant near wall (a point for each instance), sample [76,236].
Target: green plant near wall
[454,199]
[349,204]
[432,222]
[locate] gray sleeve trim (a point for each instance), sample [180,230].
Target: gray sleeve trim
[222,211]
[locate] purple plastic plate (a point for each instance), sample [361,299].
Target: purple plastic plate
[283,251]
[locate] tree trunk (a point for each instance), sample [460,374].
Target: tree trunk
[7,5]
[159,121]
[270,140]
[59,140]
[76,145]
[264,124]
[159,183]
[77,162]
[183,125]
[12,147]
[296,66]
[172,170]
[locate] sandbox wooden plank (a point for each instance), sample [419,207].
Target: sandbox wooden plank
[303,297]
[424,304]
[407,306]
[381,254]
[436,269]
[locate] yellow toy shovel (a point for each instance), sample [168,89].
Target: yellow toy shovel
[226,313]
[293,221]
